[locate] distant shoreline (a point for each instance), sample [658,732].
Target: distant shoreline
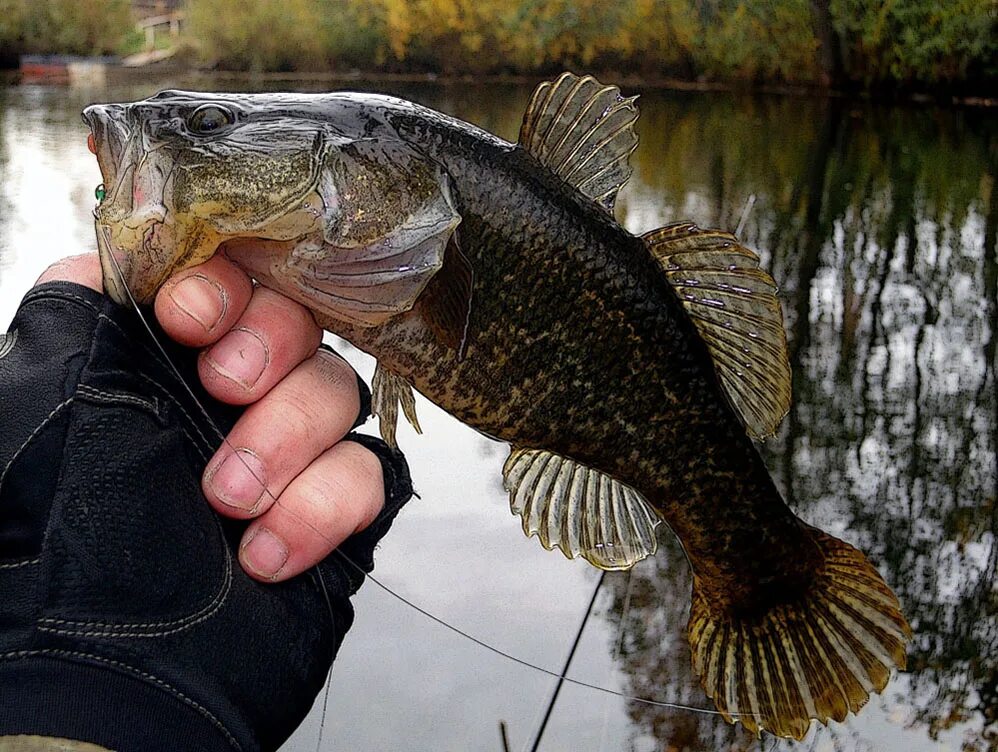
[624,81]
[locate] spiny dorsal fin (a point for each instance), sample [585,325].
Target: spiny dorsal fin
[818,655]
[579,510]
[7,342]
[388,391]
[734,306]
[584,132]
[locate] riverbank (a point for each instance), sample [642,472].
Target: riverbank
[626,81]
[191,75]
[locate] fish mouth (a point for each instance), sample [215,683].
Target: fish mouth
[109,126]
[133,240]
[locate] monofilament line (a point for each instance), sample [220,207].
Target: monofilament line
[523,662]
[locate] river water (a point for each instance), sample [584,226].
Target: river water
[880,226]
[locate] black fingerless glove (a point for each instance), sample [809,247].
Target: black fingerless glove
[125,618]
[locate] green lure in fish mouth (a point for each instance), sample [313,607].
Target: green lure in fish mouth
[630,374]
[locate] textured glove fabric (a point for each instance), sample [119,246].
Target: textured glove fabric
[125,618]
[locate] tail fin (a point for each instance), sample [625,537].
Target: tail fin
[819,656]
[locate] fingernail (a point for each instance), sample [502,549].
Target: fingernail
[265,554]
[240,481]
[240,356]
[202,299]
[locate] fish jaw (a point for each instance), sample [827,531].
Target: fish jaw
[139,241]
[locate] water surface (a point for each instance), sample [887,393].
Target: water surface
[880,226]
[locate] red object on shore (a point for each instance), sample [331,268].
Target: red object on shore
[45,68]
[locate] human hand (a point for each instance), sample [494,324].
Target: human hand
[120,595]
[260,350]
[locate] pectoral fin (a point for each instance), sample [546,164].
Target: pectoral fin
[584,132]
[446,303]
[578,510]
[734,306]
[388,391]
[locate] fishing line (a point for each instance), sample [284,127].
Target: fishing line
[398,596]
[329,674]
[746,210]
[527,664]
[617,650]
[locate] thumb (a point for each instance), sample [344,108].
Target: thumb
[84,269]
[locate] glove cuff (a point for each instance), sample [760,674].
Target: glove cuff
[93,700]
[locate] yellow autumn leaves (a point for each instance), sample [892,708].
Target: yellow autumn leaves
[650,37]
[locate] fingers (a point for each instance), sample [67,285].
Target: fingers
[199,305]
[339,494]
[279,436]
[273,336]
[260,350]
[254,336]
[285,448]
[84,269]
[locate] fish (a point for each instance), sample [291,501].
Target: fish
[631,375]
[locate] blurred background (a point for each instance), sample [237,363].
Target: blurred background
[920,45]
[855,145]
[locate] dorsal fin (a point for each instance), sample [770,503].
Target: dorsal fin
[734,306]
[579,510]
[584,132]
[388,391]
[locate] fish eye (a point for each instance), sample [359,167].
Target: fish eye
[209,118]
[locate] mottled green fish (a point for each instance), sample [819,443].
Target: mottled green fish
[629,374]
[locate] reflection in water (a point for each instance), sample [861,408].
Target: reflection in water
[882,227]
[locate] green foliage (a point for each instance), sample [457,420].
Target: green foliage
[914,43]
[258,34]
[918,40]
[77,27]
[907,41]
[749,40]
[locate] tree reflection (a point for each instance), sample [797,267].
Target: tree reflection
[882,226]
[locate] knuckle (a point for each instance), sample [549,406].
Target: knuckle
[291,314]
[297,411]
[363,468]
[322,491]
[337,375]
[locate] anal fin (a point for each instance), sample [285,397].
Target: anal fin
[581,511]
[388,391]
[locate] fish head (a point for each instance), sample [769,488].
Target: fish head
[184,172]
[315,195]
